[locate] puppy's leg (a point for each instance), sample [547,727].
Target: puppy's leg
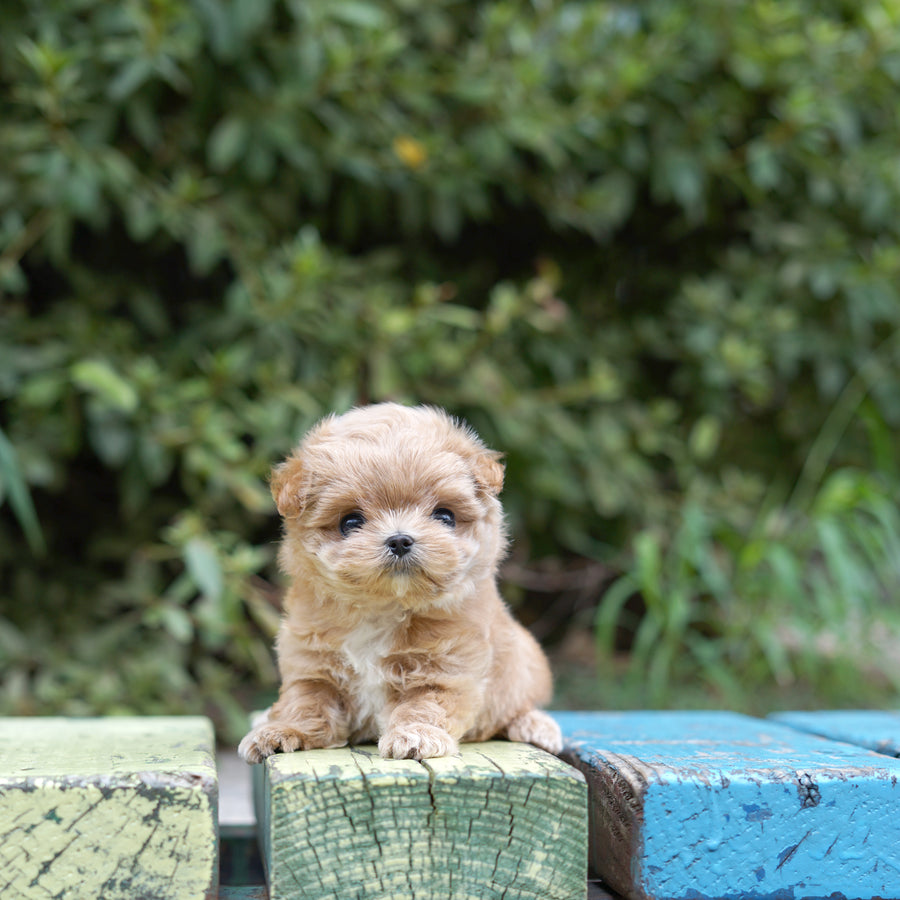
[309,714]
[423,725]
[536,727]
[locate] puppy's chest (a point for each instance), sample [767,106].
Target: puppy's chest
[364,651]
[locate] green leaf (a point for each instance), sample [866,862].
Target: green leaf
[111,437]
[762,166]
[220,26]
[204,568]
[227,143]
[177,622]
[130,78]
[99,378]
[684,178]
[839,558]
[648,568]
[362,15]
[19,496]
[610,610]
[704,437]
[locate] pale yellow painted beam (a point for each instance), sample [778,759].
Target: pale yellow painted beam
[500,820]
[108,808]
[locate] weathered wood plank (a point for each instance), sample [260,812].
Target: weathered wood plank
[243,892]
[702,805]
[110,808]
[876,730]
[500,820]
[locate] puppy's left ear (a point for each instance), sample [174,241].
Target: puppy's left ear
[288,488]
[488,472]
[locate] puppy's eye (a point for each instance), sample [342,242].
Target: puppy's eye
[351,522]
[442,514]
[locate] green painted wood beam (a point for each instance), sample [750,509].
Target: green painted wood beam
[500,820]
[108,808]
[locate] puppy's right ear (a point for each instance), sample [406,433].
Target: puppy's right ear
[488,471]
[288,488]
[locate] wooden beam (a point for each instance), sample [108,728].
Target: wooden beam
[501,819]
[108,808]
[701,805]
[876,730]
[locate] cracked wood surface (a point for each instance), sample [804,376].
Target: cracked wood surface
[700,805]
[499,820]
[108,808]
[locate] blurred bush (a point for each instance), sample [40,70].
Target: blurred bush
[649,251]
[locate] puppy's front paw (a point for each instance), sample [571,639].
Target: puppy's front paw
[269,738]
[416,742]
[536,727]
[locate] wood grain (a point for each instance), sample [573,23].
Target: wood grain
[110,808]
[500,820]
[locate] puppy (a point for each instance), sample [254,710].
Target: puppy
[393,628]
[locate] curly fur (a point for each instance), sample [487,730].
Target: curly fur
[417,652]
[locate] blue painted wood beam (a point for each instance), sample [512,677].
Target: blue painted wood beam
[695,805]
[877,730]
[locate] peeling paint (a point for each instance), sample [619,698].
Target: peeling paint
[808,791]
[110,808]
[499,819]
[756,813]
[733,807]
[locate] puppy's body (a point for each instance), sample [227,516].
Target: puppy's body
[394,630]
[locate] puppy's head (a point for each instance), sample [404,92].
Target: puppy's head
[391,504]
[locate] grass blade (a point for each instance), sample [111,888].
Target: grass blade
[19,497]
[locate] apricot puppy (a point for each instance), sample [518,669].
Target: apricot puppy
[393,628]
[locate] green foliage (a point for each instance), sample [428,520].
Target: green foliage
[806,596]
[650,251]
[19,498]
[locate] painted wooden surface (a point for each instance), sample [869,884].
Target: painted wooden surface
[876,730]
[701,805]
[501,820]
[107,808]
[243,892]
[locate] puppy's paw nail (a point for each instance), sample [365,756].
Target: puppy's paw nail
[417,742]
[267,739]
[536,727]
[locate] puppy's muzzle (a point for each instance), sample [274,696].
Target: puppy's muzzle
[399,545]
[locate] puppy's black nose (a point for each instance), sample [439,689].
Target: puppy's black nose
[399,544]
